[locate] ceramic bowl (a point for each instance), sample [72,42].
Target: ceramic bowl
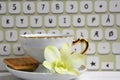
[41,74]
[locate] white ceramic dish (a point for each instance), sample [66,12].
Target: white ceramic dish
[40,75]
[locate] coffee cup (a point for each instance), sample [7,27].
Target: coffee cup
[34,44]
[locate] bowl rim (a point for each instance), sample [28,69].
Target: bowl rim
[18,71]
[13,70]
[36,75]
[45,35]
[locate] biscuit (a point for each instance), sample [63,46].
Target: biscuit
[24,63]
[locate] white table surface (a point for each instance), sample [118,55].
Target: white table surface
[108,75]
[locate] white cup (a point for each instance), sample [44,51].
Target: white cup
[34,44]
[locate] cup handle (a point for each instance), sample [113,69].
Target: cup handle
[81,41]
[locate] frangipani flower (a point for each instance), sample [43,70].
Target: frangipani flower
[61,60]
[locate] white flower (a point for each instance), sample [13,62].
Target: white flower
[62,61]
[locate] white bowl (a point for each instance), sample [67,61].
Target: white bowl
[34,44]
[39,74]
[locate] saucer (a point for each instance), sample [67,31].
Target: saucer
[42,74]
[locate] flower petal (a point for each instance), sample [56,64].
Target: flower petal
[51,53]
[65,51]
[77,60]
[65,48]
[48,65]
[62,70]
[73,72]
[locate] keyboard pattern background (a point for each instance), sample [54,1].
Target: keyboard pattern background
[97,21]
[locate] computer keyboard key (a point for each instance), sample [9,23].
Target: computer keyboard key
[3,7]
[82,33]
[50,21]
[53,31]
[21,21]
[5,49]
[36,21]
[71,7]
[103,48]
[79,21]
[28,7]
[68,31]
[2,66]
[116,48]
[14,7]
[93,20]
[117,62]
[100,6]
[18,50]
[107,66]
[57,7]
[118,20]
[114,6]
[11,35]
[25,31]
[107,20]
[1,35]
[91,48]
[39,31]
[92,63]
[64,21]
[96,34]
[43,7]
[111,34]
[7,21]
[86,6]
